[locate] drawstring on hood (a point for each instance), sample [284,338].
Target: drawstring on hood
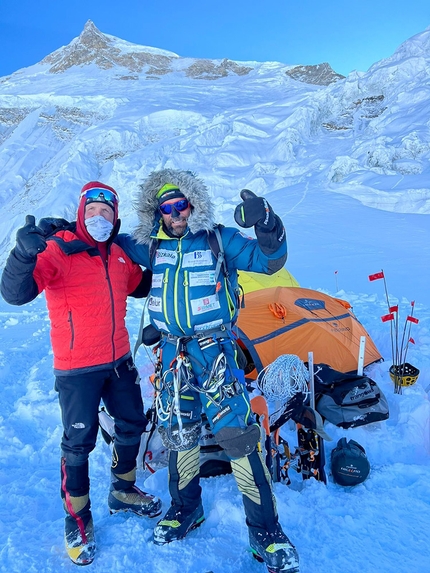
[202,217]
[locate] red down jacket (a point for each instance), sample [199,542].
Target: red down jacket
[86,301]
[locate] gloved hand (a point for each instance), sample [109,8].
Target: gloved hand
[29,239]
[254,211]
[49,225]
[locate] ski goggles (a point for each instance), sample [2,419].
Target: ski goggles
[100,194]
[180,206]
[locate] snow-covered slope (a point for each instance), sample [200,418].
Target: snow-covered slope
[102,108]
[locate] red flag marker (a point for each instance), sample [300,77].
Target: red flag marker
[376,276]
[413,303]
[412,319]
[412,340]
[387,317]
[394,308]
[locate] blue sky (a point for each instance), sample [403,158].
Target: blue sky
[348,35]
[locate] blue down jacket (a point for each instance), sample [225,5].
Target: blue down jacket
[185,295]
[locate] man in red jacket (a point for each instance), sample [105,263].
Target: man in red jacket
[87,278]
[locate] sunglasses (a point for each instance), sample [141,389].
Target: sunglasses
[180,206]
[99,194]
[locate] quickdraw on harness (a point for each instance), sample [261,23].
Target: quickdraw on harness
[180,376]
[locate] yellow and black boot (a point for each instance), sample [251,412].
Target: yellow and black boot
[268,542]
[186,511]
[78,527]
[124,495]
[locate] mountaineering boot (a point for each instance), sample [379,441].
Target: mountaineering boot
[78,526]
[176,524]
[268,542]
[135,500]
[274,549]
[124,495]
[79,530]
[186,510]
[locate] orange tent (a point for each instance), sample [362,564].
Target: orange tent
[294,320]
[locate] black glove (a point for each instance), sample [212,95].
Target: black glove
[269,229]
[29,239]
[50,225]
[254,211]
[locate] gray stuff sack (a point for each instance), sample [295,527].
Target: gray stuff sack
[348,400]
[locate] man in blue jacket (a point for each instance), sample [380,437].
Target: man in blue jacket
[194,304]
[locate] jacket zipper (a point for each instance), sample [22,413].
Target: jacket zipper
[175,290]
[165,283]
[231,307]
[186,296]
[106,266]
[72,330]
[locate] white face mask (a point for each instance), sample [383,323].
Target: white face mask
[99,228]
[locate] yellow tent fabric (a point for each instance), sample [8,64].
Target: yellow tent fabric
[251,282]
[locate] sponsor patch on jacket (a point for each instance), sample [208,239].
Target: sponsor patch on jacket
[246,236]
[165,257]
[157,280]
[207,325]
[197,259]
[205,304]
[202,278]
[206,342]
[226,410]
[160,325]
[155,304]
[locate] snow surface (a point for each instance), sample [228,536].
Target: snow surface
[347,170]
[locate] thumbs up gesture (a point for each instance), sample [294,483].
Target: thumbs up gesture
[254,211]
[29,239]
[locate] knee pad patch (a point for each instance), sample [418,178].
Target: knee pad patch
[176,440]
[238,442]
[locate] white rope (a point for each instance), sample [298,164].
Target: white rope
[284,377]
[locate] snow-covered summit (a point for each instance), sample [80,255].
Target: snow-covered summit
[92,46]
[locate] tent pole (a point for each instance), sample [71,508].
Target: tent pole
[311,378]
[361,355]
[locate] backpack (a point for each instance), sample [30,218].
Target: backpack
[349,464]
[348,400]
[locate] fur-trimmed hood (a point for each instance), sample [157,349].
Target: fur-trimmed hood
[202,216]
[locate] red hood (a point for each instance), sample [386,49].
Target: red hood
[81,230]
